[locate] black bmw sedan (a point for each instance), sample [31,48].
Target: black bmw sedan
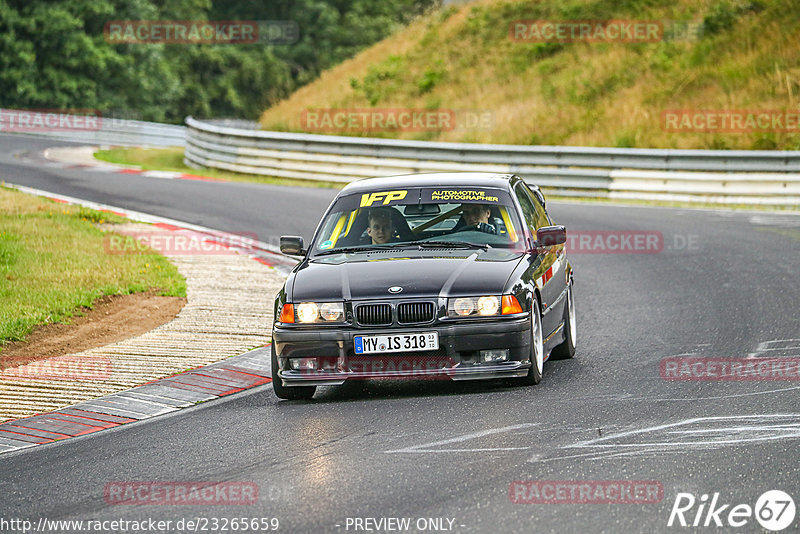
[461,276]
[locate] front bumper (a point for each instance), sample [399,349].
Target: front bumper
[456,359]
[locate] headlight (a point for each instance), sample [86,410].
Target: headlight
[325,312]
[307,312]
[486,306]
[473,306]
[331,311]
[464,306]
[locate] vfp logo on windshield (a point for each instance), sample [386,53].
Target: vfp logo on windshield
[368,199]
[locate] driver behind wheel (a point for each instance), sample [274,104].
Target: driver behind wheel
[380,227]
[477,216]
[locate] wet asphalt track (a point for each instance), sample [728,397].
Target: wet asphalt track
[724,285]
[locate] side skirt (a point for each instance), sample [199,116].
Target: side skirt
[551,341]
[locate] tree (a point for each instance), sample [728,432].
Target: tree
[54,55]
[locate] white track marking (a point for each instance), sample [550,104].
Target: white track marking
[785,221]
[748,433]
[166,175]
[602,455]
[427,447]
[693,399]
[742,429]
[792,344]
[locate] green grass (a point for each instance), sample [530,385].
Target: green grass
[53,262]
[742,55]
[171,159]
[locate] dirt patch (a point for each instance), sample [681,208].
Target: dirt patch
[111,319]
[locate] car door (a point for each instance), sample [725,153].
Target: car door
[546,267]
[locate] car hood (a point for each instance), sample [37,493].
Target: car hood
[363,276]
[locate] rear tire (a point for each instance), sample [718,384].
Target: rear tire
[288,393]
[534,375]
[566,349]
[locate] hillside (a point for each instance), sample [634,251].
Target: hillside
[735,55]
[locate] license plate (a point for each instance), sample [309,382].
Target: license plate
[396,343]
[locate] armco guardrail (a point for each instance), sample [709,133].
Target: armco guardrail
[725,176]
[128,132]
[103,130]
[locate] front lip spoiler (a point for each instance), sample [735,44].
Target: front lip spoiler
[512,369]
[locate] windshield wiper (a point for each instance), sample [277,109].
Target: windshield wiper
[448,244]
[404,245]
[360,248]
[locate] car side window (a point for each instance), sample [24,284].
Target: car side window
[542,218]
[528,211]
[532,217]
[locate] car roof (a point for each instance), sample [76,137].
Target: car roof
[436,179]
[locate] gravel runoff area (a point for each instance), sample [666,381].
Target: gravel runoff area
[228,312]
[80,155]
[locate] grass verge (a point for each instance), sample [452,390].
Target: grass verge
[711,55]
[171,159]
[53,262]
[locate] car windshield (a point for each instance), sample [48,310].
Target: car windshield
[420,217]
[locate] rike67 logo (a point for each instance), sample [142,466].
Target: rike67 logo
[774,510]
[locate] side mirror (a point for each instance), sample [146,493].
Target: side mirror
[292,245]
[547,236]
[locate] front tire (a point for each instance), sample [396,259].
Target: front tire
[534,375]
[566,349]
[288,393]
